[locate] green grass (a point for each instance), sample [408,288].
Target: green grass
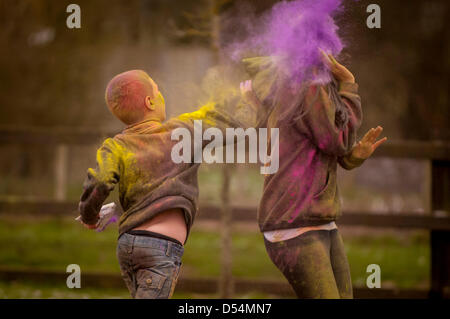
[52,244]
[31,290]
[403,263]
[55,243]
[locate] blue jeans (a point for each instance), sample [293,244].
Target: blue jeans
[149,266]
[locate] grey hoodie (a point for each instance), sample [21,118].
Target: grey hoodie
[139,161]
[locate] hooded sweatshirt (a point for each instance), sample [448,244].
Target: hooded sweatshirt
[139,160]
[304,192]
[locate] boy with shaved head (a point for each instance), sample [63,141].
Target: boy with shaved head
[158,197]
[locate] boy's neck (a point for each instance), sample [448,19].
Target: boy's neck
[154,120]
[148,119]
[151,118]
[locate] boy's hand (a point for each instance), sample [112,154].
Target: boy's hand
[94,226]
[340,72]
[368,144]
[248,95]
[109,213]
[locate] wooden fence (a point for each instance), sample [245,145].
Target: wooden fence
[437,219]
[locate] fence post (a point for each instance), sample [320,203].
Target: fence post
[226,284]
[61,157]
[428,187]
[440,240]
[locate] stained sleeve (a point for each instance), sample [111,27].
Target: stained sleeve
[350,162]
[319,121]
[99,182]
[216,115]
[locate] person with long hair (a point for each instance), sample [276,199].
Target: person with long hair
[318,123]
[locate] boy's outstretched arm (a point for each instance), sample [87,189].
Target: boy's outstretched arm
[233,112]
[363,149]
[99,183]
[212,115]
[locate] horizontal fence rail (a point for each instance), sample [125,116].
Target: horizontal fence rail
[398,220]
[36,135]
[239,214]
[433,150]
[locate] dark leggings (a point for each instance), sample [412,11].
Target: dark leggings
[314,263]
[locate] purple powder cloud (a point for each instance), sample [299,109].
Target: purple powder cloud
[294,31]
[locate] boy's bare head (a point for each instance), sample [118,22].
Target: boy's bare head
[133,96]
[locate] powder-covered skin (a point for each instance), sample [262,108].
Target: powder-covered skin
[126,106]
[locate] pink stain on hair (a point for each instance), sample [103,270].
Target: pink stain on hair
[125,95]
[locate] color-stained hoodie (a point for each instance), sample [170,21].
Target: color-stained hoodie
[304,192]
[139,161]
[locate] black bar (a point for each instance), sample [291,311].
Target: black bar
[440,239]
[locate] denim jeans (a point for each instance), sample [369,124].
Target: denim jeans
[149,266]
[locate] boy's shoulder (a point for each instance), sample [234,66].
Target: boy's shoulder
[121,141]
[114,144]
[180,121]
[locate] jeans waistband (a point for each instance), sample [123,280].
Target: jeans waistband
[169,247]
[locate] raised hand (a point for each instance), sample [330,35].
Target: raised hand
[340,72]
[248,95]
[368,144]
[93,226]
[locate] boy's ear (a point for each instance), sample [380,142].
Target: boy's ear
[149,103]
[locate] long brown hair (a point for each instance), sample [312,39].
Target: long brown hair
[286,109]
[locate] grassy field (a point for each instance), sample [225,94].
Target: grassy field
[31,290]
[52,244]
